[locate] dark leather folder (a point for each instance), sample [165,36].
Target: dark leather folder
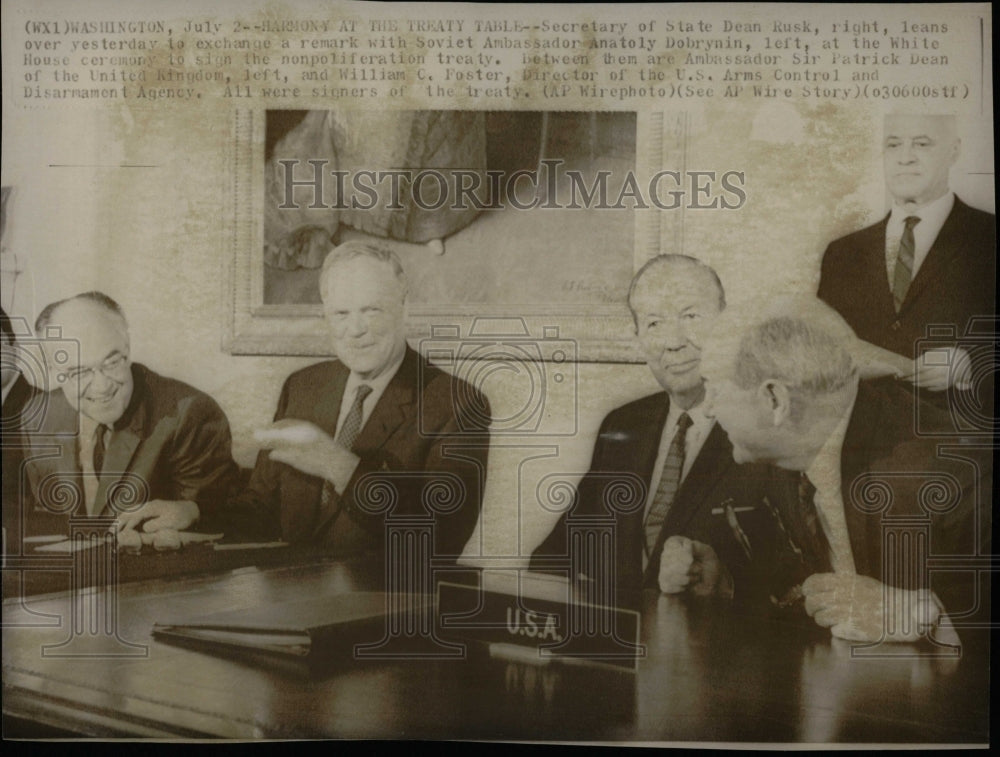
[323,628]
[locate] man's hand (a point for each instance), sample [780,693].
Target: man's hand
[935,370]
[686,564]
[859,608]
[309,449]
[156,516]
[941,367]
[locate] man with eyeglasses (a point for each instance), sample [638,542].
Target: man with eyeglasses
[118,439]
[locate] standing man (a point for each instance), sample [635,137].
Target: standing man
[371,434]
[676,458]
[931,261]
[117,438]
[877,504]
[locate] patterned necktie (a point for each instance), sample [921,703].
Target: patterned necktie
[352,423]
[346,438]
[810,520]
[903,274]
[670,481]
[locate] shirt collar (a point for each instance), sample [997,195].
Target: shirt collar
[699,421]
[933,214]
[377,384]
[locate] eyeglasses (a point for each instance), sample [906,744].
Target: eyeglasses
[112,368]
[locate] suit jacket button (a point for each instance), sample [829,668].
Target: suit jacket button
[895,325]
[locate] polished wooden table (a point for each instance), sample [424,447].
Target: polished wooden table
[707,675]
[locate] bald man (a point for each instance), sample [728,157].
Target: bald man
[877,505]
[122,440]
[930,261]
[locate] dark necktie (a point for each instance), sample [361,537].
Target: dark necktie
[810,520]
[903,274]
[99,435]
[666,490]
[348,434]
[91,462]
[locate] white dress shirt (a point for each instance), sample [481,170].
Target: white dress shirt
[694,439]
[932,217]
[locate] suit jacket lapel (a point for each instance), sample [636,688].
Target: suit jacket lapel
[944,248]
[386,416]
[640,458]
[393,406]
[877,270]
[57,472]
[706,470]
[117,459]
[326,410]
[55,464]
[853,456]
[121,446]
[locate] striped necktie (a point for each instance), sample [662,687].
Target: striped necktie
[352,423]
[903,274]
[666,490]
[346,438]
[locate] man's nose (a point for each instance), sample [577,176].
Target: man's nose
[906,154]
[673,335]
[357,324]
[100,383]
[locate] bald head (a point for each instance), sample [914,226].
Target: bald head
[663,269]
[86,345]
[781,374]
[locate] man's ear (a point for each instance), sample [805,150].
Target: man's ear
[956,150]
[777,399]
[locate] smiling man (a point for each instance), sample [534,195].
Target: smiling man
[930,261]
[127,442]
[698,510]
[377,426]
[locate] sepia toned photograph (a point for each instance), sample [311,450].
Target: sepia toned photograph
[498,373]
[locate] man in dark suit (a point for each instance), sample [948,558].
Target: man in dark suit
[17,395]
[378,434]
[117,439]
[675,463]
[877,505]
[931,261]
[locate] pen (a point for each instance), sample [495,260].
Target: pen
[724,510]
[734,525]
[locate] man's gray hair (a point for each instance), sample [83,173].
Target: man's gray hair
[100,299]
[673,259]
[358,249]
[800,353]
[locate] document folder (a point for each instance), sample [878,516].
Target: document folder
[322,628]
